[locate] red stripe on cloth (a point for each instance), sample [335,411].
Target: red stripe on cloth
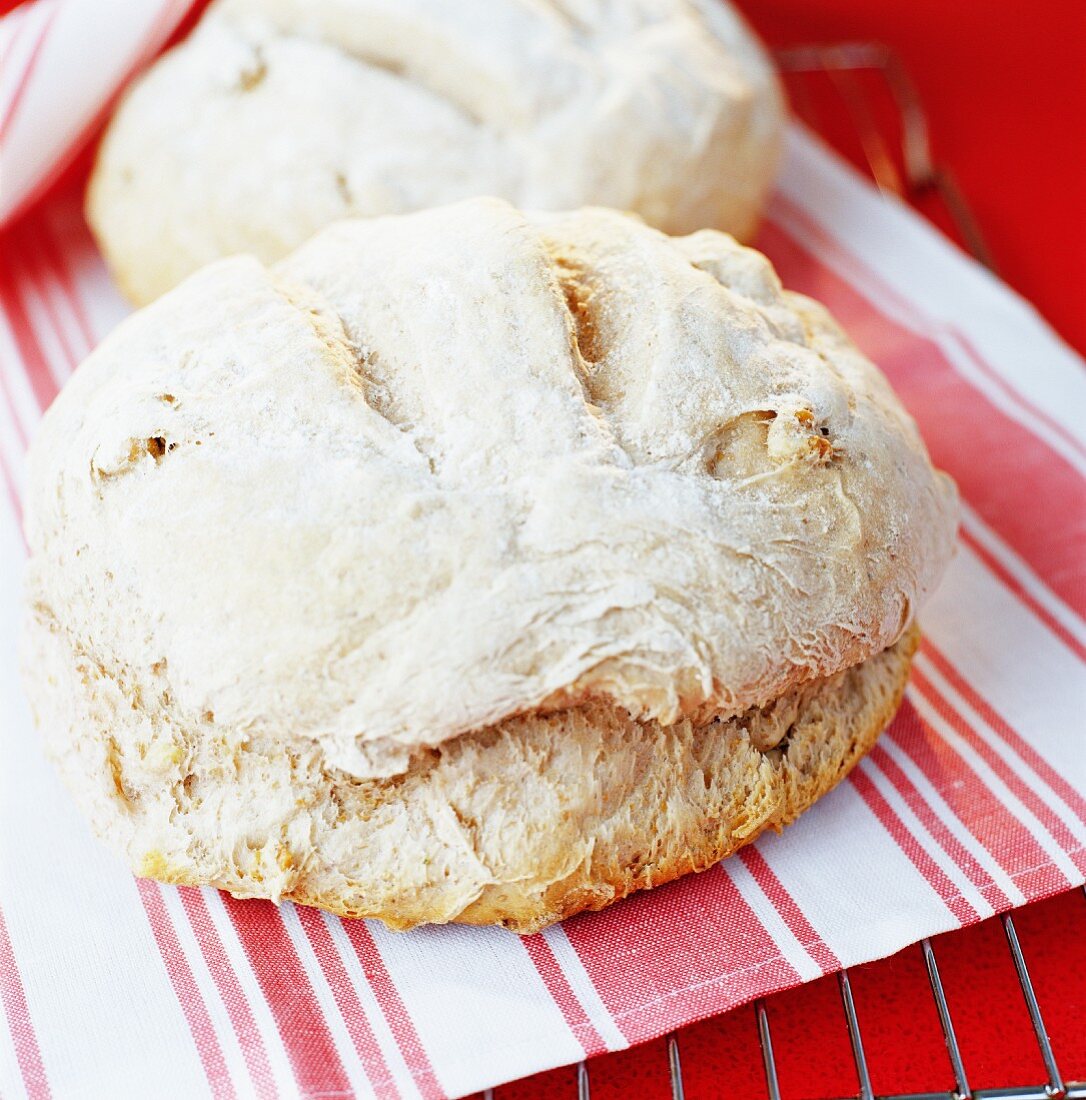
[393,1009]
[350,1008]
[9,109]
[188,993]
[928,323]
[12,25]
[1014,585]
[13,497]
[6,475]
[36,274]
[951,783]
[911,846]
[554,978]
[22,433]
[1011,477]
[1072,798]
[309,1044]
[789,911]
[27,1052]
[1004,837]
[35,363]
[1015,395]
[1046,879]
[233,997]
[680,953]
[62,273]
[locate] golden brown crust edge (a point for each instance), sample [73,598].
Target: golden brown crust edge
[816,759]
[522,824]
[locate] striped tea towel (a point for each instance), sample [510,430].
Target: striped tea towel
[971,804]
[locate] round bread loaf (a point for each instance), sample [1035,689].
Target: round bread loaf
[277,117]
[472,565]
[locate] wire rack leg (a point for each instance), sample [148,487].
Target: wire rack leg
[840,63]
[584,1089]
[675,1068]
[765,1041]
[961,1083]
[1055,1087]
[858,1056]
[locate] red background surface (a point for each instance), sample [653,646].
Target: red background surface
[904,1046]
[1003,85]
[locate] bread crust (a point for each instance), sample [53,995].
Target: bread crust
[670,108]
[520,825]
[469,565]
[600,465]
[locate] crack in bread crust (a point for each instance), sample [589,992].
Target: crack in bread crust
[522,824]
[386,508]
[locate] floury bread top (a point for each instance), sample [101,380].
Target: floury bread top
[277,117]
[436,470]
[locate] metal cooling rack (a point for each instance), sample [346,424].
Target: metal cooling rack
[913,175]
[1054,1088]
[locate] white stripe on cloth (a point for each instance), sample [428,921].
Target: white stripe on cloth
[59,358]
[586,993]
[21,39]
[278,1060]
[870,899]
[1023,574]
[92,975]
[1007,753]
[771,920]
[994,783]
[217,1011]
[1014,662]
[953,823]
[11,29]
[382,1032]
[939,281]
[101,300]
[920,832]
[479,1004]
[12,460]
[352,1064]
